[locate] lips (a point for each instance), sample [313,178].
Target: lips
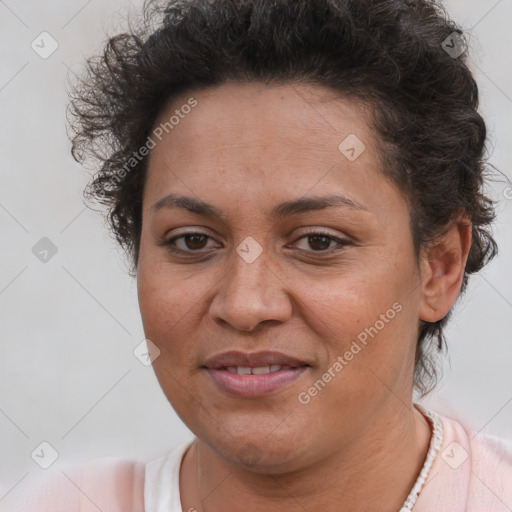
[243,374]
[236,359]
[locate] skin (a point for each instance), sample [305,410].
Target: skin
[245,148]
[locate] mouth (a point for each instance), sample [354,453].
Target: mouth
[255,374]
[258,370]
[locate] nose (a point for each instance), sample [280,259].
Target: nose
[251,293]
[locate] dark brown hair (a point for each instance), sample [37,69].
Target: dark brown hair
[391,54]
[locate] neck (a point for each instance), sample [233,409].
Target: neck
[376,471]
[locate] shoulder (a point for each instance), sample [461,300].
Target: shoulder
[491,470]
[105,483]
[489,456]
[472,471]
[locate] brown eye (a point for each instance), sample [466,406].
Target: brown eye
[188,243]
[322,243]
[196,241]
[319,242]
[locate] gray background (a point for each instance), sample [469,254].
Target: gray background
[68,327]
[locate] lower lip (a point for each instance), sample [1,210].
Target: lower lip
[255,385]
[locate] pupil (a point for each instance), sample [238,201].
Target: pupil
[195,244]
[325,245]
[317,242]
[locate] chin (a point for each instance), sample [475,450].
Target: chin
[258,448]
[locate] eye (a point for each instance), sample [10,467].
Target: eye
[320,242]
[188,242]
[197,242]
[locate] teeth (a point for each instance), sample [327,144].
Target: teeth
[259,370]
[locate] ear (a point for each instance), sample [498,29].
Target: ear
[442,270]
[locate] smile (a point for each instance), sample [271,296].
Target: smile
[256,374]
[259,370]
[254,384]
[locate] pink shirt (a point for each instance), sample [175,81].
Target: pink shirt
[469,474]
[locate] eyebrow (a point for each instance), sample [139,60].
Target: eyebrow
[282,210]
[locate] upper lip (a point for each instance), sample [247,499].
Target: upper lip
[252,359]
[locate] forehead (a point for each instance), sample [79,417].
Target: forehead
[258,140]
[250,113]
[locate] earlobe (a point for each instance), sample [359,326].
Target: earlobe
[442,271]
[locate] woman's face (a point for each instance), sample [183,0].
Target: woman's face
[322,300]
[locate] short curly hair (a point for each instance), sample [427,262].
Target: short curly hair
[392,54]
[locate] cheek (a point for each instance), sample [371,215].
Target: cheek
[369,316]
[164,298]
[353,302]
[167,312]
[172,307]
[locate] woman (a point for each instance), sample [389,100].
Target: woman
[299,186]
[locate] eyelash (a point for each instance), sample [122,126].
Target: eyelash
[170,243]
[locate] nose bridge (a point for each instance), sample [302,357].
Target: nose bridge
[250,292]
[248,276]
